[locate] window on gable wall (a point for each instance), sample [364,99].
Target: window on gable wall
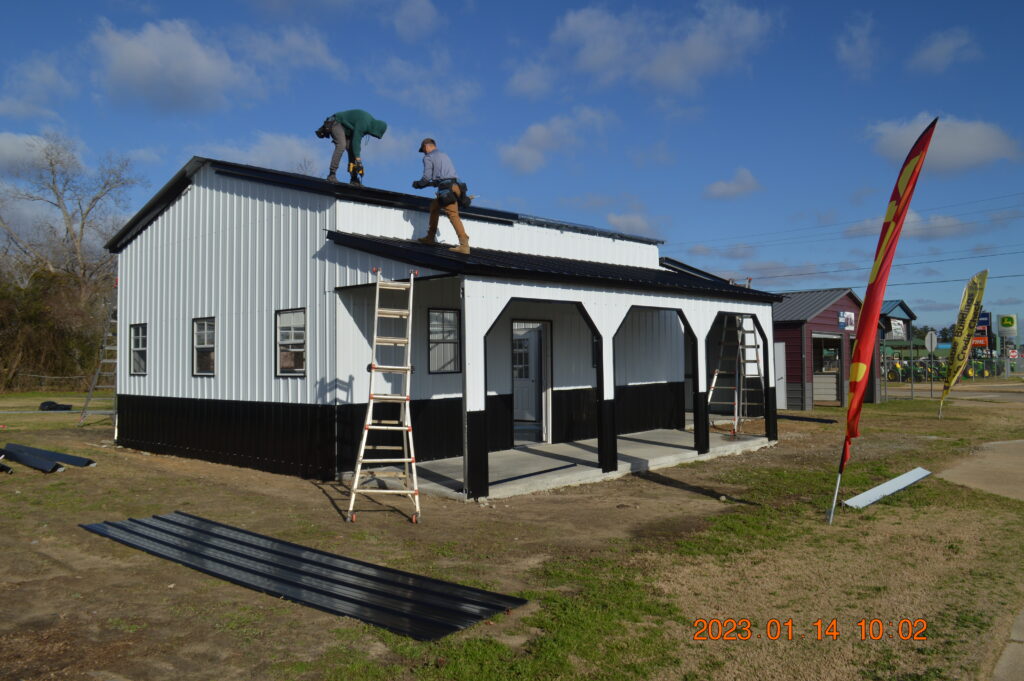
[139,347]
[291,342]
[203,337]
[443,344]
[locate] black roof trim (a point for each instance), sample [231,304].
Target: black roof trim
[502,264]
[680,266]
[367,195]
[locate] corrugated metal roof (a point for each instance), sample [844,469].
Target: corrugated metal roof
[545,268]
[898,309]
[367,195]
[800,306]
[423,608]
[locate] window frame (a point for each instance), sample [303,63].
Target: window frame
[278,344]
[457,342]
[212,347]
[144,349]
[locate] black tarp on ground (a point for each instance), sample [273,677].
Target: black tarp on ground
[420,607]
[52,456]
[40,463]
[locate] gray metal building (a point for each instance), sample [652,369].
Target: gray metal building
[245,304]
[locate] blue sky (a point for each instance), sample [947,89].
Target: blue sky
[757,139]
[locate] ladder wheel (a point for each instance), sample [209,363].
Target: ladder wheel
[415,518]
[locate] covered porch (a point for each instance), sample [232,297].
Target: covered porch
[541,467]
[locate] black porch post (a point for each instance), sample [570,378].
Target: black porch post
[607,441]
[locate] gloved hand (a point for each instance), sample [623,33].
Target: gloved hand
[419,184]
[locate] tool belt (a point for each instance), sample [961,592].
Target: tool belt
[446,197]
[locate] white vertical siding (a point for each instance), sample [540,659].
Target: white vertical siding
[649,347]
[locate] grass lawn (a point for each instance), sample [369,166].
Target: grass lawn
[617,573]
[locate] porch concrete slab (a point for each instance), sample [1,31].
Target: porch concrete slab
[543,467]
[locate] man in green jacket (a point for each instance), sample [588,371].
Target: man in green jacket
[346,129]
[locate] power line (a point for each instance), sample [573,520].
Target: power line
[877,217]
[902,264]
[934,281]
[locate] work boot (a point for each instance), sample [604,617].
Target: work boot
[463,248]
[332,178]
[355,181]
[429,240]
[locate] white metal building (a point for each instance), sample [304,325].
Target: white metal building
[245,309]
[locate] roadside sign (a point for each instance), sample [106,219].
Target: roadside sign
[1007,325]
[979,342]
[931,341]
[1013,354]
[981,330]
[985,319]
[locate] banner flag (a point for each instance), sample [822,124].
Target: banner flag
[867,332]
[963,332]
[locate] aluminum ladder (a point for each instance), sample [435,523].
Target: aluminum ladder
[745,365]
[105,377]
[384,452]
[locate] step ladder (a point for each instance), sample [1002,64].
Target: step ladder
[378,452]
[105,377]
[742,366]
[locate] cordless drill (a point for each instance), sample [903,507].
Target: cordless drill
[355,171]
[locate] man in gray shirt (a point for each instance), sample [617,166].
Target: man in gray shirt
[439,171]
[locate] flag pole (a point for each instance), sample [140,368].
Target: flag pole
[835,498]
[842,465]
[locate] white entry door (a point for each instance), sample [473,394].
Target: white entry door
[526,371]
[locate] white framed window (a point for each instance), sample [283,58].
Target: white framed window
[203,341]
[443,342]
[139,347]
[291,342]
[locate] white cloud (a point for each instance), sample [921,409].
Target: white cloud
[700,249]
[165,65]
[414,19]
[929,305]
[1009,301]
[31,86]
[743,182]
[527,155]
[856,47]
[430,87]
[941,49]
[395,146]
[657,154]
[631,223]
[293,47]
[271,150]
[18,151]
[925,228]
[738,251]
[531,79]
[956,144]
[661,50]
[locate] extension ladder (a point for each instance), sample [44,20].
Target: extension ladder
[745,365]
[378,433]
[105,377]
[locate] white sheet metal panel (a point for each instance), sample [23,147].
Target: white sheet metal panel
[485,297]
[401,223]
[886,488]
[649,348]
[238,251]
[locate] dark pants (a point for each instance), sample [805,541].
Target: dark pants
[341,142]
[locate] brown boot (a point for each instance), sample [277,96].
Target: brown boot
[461,248]
[429,240]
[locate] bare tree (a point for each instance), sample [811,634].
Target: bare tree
[75,210]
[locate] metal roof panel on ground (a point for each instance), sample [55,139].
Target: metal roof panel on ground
[362,194]
[402,602]
[801,306]
[490,263]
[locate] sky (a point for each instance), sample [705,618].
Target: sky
[756,139]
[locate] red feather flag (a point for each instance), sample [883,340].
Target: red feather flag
[867,327]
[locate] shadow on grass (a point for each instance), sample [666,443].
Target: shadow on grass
[659,479]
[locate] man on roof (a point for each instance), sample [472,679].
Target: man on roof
[439,171]
[347,129]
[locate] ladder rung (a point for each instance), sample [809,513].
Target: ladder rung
[386,474]
[393,448]
[391,340]
[410,492]
[728,403]
[389,369]
[389,427]
[110,347]
[389,398]
[105,387]
[108,360]
[395,285]
[392,313]
[406,459]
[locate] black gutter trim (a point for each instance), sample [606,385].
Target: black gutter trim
[458,265]
[680,266]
